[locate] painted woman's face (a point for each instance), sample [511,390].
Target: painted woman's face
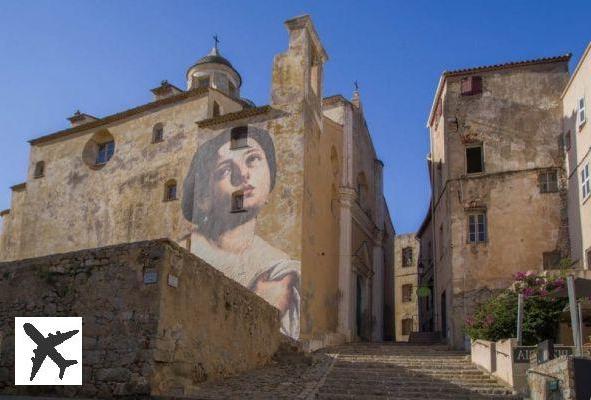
[243,169]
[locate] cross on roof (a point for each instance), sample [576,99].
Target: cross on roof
[356,85]
[216,41]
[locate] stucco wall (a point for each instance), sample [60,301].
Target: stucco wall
[577,157]
[139,338]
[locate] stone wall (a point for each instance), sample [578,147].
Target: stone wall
[405,275]
[164,338]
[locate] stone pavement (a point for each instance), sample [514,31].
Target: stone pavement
[365,371]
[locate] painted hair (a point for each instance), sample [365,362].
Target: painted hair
[197,181]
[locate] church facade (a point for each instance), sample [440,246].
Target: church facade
[284,198]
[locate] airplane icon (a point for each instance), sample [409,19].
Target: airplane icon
[46,347]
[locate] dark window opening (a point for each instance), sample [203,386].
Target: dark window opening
[406,293]
[551,259]
[406,326]
[39,169]
[232,89]
[477,228]
[158,133]
[474,160]
[202,82]
[471,85]
[170,190]
[238,201]
[548,182]
[567,143]
[407,257]
[216,109]
[239,137]
[105,152]
[588,256]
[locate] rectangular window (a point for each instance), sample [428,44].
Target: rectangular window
[471,85]
[477,228]
[440,242]
[585,183]
[406,326]
[105,152]
[551,259]
[548,181]
[239,137]
[237,201]
[170,192]
[588,256]
[406,293]
[474,160]
[582,116]
[407,257]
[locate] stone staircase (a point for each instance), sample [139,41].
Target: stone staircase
[425,338]
[403,371]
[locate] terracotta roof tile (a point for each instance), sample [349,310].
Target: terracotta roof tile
[510,64]
[246,113]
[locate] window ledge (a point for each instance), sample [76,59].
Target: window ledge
[582,125]
[38,176]
[239,147]
[238,211]
[167,200]
[586,199]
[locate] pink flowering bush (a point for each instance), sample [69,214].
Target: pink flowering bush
[497,318]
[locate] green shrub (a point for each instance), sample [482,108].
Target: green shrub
[497,318]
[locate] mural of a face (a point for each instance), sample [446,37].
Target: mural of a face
[245,169]
[227,240]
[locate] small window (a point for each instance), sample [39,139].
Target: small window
[232,89]
[585,183]
[158,133]
[239,137]
[588,256]
[39,170]
[477,228]
[170,190]
[582,116]
[474,160]
[216,109]
[105,152]
[406,326]
[551,259]
[406,293]
[548,182]
[202,82]
[407,257]
[238,201]
[471,85]
[440,242]
[566,141]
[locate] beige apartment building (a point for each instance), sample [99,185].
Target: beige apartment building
[577,147]
[285,198]
[405,285]
[498,184]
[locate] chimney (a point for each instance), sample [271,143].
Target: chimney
[165,90]
[80,118]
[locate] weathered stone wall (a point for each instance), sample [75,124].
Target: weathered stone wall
[405,276]
[517,119]
[560,369]
[139,338]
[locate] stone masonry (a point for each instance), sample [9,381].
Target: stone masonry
[139,338]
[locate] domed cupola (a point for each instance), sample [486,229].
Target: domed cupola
[215,71]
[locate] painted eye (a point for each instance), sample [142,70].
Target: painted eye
[222,173]
[253,160]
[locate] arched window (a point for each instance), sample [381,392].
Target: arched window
[238,201]
[158,133]
[99,149]
[170,190]
[39,169]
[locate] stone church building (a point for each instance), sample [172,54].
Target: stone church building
[285,198]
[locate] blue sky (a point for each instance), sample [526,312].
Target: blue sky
[104,56]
